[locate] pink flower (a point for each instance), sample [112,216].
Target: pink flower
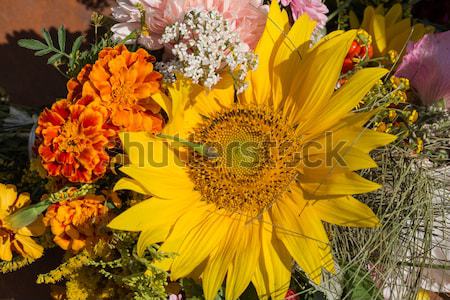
[247,17]
[427,66]
[315,9]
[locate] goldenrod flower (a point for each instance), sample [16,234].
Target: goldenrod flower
[12,240]
[77,224]
[254,200]
[390,31]
[124,83]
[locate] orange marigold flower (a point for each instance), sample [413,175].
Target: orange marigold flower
[73,140]
[13,240]
[77,224]
[75,85]
[124,82]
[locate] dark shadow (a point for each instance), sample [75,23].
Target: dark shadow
[21,284]
[437,12]
[28,79]
[95,4]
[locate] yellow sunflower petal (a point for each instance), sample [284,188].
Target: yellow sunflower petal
[189,221]
[162,100]
[172,182]
[218,262]
[332,182]
[398,28]
[126,183]
[300,242]
[418,32]
[394,14]
[241,270]
[146,150]
[317,75]
[344,100]
[369,14]
[379,33]
[180,94]
[345,211]
[195,247]
[152,212]
[289,56]
[353,19]
[207,102]
[273,274]
[152,235]
[307,218]
[277,27]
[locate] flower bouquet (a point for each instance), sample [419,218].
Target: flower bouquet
[236,150]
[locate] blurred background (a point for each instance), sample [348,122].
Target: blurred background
[26,78]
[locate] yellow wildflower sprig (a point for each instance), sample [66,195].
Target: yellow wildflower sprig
[16,263]
[29,214]
[65,269]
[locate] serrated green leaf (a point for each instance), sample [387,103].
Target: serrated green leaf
[62,38]
[54,58]
[32,44]
[47,37]
[43,52]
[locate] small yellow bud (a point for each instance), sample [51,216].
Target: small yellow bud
[413,117]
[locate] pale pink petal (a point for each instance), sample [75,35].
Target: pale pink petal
[315,9]
[427,66]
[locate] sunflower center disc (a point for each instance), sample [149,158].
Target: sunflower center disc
[255,160]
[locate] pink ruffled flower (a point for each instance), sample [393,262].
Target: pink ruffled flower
[315,9]
[427,66]
[247,17]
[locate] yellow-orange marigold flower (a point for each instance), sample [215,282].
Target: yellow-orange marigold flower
[123,82]
[73,140]
[77,224]
[12,240]
[75,85]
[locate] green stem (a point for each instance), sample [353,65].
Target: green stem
[60,52]
[199,148]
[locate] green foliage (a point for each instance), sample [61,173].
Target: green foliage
[137,275]
[47,48]
[67,63]
[359,285]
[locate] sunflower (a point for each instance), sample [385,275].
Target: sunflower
[123,82]
[17,240]
[390,31]
[239,189]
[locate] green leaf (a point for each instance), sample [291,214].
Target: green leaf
[32,44]
[76,45]
[359,284]
[62,38]
[47,37]
[54,58]
[27,215]
[43,52]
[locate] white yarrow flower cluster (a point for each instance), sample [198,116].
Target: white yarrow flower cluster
[203,45]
